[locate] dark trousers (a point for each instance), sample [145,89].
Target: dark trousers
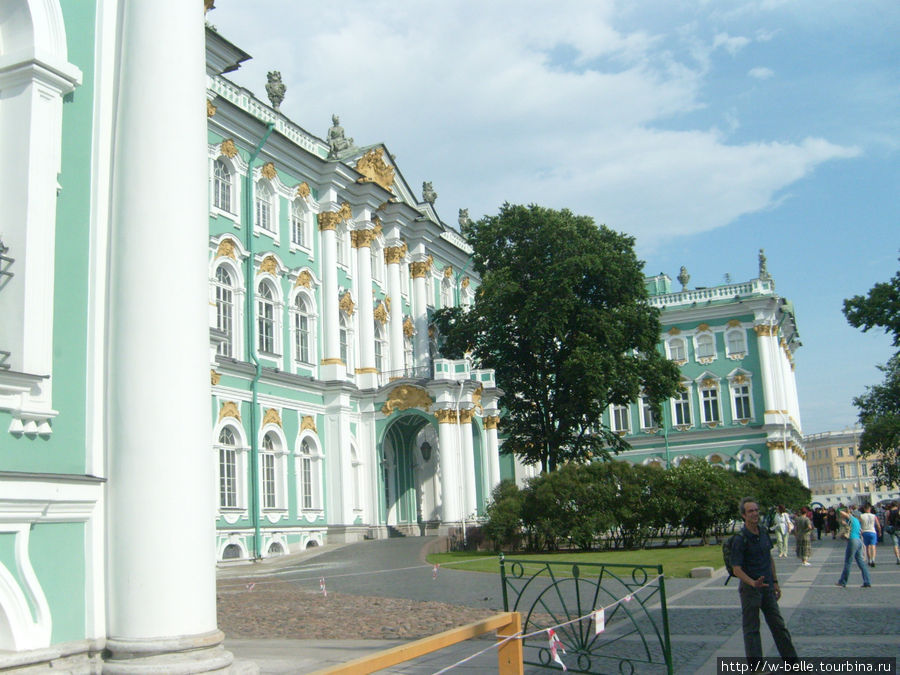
[754,600]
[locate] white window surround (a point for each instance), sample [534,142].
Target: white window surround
[447,299]
[238,170]
[314,459]
[279,452]
[676,349]
[382,355]
[301,222]
[705,347]
[648,418]
[746,457]
[265,209]
[710,405]
[35,76]
[236,271]
[737,380]
[312,315]
[620,418]
[682,407]
[242,449]
[736,343]
[346,340]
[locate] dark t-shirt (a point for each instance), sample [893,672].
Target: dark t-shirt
[752,553]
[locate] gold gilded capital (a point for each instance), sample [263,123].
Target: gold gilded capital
[272,416]
[393,255]
[492,422]
[445,416]
[363,238]
[765,329]
[333,362]
[419,269]
[228,148]
[465,416]
[328,220]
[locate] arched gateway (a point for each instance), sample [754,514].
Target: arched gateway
[409,486]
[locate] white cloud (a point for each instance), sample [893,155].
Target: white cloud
[761,73]
[465,95]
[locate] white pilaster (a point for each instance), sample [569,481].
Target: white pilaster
[161,574]
[332,367]
[467,452]
[393,258]
[418,270]
[366,374]
[449,461]
[493,451]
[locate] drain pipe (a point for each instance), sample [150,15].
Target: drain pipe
[248,317]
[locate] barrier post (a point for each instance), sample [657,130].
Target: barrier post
[509,654]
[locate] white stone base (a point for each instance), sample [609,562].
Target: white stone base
[183,655]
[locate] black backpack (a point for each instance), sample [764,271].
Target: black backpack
[727,550]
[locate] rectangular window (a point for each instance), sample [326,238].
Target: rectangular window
[224,318]
[683,409]
[301,338]
[306,468]
[298,228]
[676,350]
[264,214]
[741,402]
[852,451]
[865,469]
[266,327]
[710,404]
[620,418]
[648,419]
[840,452]
[227,478]
[842,471]
[268,477]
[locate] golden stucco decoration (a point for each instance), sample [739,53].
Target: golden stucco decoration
[381,313]
[362,238]
[328,220]
[374,169]
[445,416]
[210,108]
[408,328]
[378,227]
[228,148]
[448,271]
[304,279]
[765,329]
[393,255]
[710,383]
[491,422]
[308,423]
[405,396]
[346,303]
[226,249]
[476,397]
[303,190]
[214,377]
[419,269]
[674,331]
[272,416]
[268,171]
[465,282]
[229,409]
[465,416]
[270,265]
[734,323]
[345,212]
[703,327]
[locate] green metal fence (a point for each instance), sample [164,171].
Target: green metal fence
[564,595]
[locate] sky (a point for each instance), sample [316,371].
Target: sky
[706,130]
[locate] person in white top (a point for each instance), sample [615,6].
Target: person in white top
[870,528]
[783,527]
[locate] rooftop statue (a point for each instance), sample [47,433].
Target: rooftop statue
[683,278]
[463,219]
[338,144]
[428,193]
[763,271]
[275,88]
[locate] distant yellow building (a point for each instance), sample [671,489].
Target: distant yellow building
[837,472]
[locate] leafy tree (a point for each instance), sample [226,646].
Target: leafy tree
[708,496]
[772,489]
[562,317]
[879,407]
[503,525]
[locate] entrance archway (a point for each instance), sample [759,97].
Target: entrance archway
[408,477]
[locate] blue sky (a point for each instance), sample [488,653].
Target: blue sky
[707,130]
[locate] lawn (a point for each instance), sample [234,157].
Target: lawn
[676,562]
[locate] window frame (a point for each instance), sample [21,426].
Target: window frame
[710,404]
[730,352]
[670,350]
[264,186]
[705,347]
[684,399]
[311,316]
[308,472]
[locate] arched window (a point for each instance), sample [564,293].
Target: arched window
[676,349]
[380,347]
[303,330]
[306,478]
[447,292]
[269,474]
[619,417]
[706,348]
[340,239]
[232,552]
[222,185]
[228,485]
[225,310]
[345,338]
[736,342]
[265,206]
[265,318]
[308,470]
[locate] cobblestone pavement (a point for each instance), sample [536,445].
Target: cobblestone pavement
[382,593]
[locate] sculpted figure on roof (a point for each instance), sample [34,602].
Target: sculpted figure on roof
[428,193]
[338,143]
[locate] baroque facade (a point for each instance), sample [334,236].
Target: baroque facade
[738,405]
[333,416]
[838,473]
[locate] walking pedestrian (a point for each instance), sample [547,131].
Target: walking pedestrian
[751,557]
[803,534]
[892,527]
[818,521]
[783,528]
[870,529]
[853,550]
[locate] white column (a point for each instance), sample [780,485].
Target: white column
[161,551]
[467,452]
[418,270]
[770,392]
[367,374]
[333,367]
[448,456]
[393,256]
[492,449]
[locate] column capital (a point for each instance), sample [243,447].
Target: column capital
[419,269]
[446,416]
[393,255]
[362,238]
[491,421]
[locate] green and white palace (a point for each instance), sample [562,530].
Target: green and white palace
[738,406]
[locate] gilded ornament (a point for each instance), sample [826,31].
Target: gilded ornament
[304,279]
[268,171]
[229,409]
[419,270]
[303,190]
[328,220]
[228,148]
[445,416]
[448,271]
[405,396]
[393,255]
[765,329]
[740,379]
[271,416]
[345,212]
[734,323]
[346,303]
[703,327]
[308,423]
[381,313]
[465,282]
[378,228]
[374,169]
[208,5]
[333,362]
[674,331]
[408,328]
[476,397]
[226,249]
[465,416]
[210,108]
[363,238]
[214,377]
[269,265]
[491,422]
[366,371]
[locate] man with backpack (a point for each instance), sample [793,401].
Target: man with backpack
[752,563]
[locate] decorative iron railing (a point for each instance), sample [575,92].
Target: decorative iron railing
[563,596]
[419,373]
